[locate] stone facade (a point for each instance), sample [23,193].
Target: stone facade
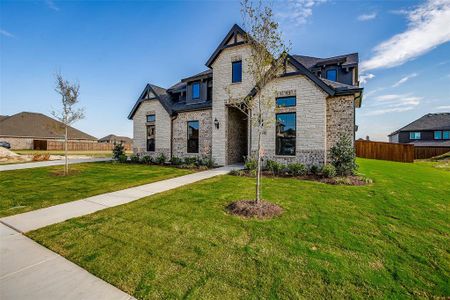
[162,127]
[18,143]
[180,133]
[340,119]
[237,136]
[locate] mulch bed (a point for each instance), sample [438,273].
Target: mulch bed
[252,209]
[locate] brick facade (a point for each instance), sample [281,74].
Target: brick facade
[340,119]
[180,133]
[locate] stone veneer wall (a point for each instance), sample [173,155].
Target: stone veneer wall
[340,118]
[180,133]
[310,116]
[237,136]
[18,143]
[162,127]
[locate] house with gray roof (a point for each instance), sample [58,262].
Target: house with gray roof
[430,130]
[313,105]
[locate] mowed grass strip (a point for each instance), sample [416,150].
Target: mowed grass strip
[386,240]
[30,189]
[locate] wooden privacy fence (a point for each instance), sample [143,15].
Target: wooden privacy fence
[83,146]
[428,152]
[385,151]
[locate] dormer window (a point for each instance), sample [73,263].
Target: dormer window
[196,90]
[332,75]
[236,71]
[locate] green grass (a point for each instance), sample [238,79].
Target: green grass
[30,189]
[386,240]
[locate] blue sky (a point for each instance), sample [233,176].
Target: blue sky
[113,48]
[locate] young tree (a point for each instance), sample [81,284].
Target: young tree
[68,114]
[266,62]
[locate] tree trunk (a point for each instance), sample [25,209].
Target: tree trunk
[66,162]
[258,168]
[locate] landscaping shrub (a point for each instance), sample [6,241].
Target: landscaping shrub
[146,159]
[122,158]
[161,159]
[134,158]
[190,160]
[297,169]
[176,161]
[328,171]
[343,156]
[118,151]
[314,170]
[250,163]
[275,167]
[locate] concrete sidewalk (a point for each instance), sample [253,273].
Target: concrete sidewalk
[55,214]
[48,163]
[30,271]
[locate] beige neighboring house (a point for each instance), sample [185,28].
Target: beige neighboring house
[113,139]
[28,130]
[314,102]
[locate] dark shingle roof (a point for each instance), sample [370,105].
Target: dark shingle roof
[338,86]
[435,121]
[430,143]
[37,125]
[310,61]
[115,138]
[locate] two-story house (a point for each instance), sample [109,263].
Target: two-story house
[313,104]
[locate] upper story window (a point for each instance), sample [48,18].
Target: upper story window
[442,135]
[286,101]
[414,135]
[192,136]
[196,90]
[332,74]
[151,118]
[236,71]
[285,135]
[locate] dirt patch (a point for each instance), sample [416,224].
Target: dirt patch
[252,209]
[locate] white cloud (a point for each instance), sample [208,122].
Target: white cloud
[364,78]
[51,4]
[404,79]
[443,107]
[367,17]
[429,27]
[390,103]
[297,11]
[6,33]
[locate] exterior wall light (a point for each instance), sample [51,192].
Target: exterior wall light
[216,122]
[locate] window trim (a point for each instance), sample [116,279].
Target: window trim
[335,70]
[295,139]
[199,90]
[232,71]
[187,137]
[284,97]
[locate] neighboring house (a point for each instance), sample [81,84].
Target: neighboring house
[27,130]
[113,139]
[314,103]
[431,130]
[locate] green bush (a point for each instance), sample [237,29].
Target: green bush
[176,161]
[122,158]
[134,158]
[328,171]
[146,159]
[275,167]
[250,163]
[118,151]
[190,160]
[297,169]
[161,159]
[205,161]
[343,156]
[314,170]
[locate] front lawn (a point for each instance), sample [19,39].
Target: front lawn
[30,189]
[385,240]
[99,154]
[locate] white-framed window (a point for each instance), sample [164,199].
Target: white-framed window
[414,135]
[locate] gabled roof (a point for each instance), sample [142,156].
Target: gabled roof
[113,137]
[37,125]
[435,121]
[234,31]
[159,93]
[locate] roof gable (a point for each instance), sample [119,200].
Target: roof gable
[235,37]
[150,92]
[436,121]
